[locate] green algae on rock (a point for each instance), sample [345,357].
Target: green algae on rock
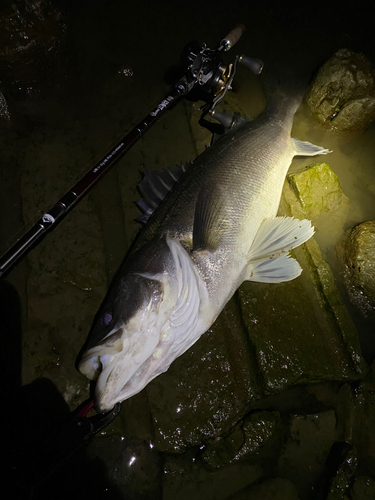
[318,190]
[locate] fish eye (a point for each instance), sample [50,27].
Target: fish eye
[106,319]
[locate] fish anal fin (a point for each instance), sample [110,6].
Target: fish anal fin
[283,268]
[305,148]
[268,257]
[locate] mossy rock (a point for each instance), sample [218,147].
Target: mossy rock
[318,190]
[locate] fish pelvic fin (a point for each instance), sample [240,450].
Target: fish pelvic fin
[269,259]
[305,148]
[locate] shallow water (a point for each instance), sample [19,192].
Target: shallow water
[120,59]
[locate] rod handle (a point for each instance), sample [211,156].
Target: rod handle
[232,37]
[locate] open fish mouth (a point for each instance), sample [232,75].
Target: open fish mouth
[97,359]
[99,363]
[102,366]
[114,366]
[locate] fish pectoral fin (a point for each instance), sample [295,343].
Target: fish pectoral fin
[305,148]
[211,219]
[283,268]
[268,257]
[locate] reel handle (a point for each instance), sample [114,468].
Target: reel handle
[252,63]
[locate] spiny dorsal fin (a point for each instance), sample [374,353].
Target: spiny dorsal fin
[154,187]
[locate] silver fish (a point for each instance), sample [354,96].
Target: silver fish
[207,231]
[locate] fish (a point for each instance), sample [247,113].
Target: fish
[208,227]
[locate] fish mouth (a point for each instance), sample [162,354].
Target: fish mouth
[114,367]
[101,366]
[98,364]
[97,359]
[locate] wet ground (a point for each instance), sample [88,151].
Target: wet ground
[120,61]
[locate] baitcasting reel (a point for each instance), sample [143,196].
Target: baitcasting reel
[206,69]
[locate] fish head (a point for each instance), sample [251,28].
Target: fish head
[129,324]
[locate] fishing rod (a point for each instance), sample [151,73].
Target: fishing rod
[205,70]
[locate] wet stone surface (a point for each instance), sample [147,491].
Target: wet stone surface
[133,466]
[307,448]
[272,489]
[185,479]
[204,392]
[33,41]
[363,488]
[245,439]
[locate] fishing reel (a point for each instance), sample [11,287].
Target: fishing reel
[207,70]
[206,66]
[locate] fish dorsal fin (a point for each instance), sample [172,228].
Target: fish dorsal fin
[154,187]
[269,261]
[210,220]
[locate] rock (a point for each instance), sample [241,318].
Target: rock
[273,489]
[33,46]
[245,439]
[303,459]
[131,466]
[364,423]
[356,252]
[186,479]
[319,197]
[343,92]
[318,190]
[338,472]
[4,110]
[363,488]
[300,330]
